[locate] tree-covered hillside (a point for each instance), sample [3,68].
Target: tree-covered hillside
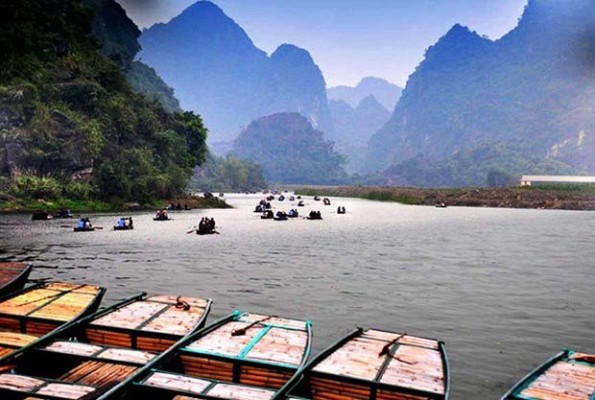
[532,90]
[290,150]
[70,123]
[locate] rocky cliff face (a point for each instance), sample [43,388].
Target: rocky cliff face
[216,70]
[533,90]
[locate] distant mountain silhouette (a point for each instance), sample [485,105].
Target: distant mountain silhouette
[532,90]
[290,150]
[355,126]
[216,70]
[385,92]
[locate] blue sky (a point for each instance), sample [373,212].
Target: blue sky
[350,39]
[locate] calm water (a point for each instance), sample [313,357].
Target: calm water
[505,289]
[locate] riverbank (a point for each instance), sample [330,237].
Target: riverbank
[25,205]
[561,197]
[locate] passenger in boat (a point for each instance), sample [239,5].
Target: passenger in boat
[130,223]
[178,206]
[81,223]
[121,223]
[87,223]
[186,207]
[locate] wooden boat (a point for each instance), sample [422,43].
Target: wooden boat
[326,201]
[96,357]
[84,229]
[566,376]
[281,216]
[241,357]
[341,210]
[128,224]
[374,364]
[441,205]
[13,276]
[268,214]
[63,213]
[315,215]
[301,203]
[41,216]
[281,198]
[28,315]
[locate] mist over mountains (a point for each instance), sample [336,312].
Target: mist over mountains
[385,92]
[216,70]
[533,91]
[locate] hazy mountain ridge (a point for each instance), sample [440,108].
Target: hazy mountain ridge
[215,67]
[385,92]
[534,89]
[290,150]
[355,126]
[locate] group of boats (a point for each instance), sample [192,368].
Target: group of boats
[57,344]
[265,208]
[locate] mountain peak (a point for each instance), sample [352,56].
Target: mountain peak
[290,51]
[371,103]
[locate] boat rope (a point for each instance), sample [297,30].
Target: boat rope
[182,304]
[404,361]
[387,346]
[242,331]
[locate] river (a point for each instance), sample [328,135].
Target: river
[504,288]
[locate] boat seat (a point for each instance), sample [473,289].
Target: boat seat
[16,340]
[205,387]
[107,353]
[40,387]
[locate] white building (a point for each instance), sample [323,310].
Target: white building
[528,180]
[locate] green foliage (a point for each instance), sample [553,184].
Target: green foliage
[145,80]
[33,187]
[228,175]
[74,110]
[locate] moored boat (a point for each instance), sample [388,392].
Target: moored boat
[374,364]
[28,315]
[41,216]
[96,357]
[568,375]
[13,276]
[63,213]
[241,357]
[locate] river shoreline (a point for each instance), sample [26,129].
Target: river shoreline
[28,206]
[554,198]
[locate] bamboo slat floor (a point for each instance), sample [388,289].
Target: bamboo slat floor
[32,313]
[568,376]
[382,365]
[243,357]
[87,367]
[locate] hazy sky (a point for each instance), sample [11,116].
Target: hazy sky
[350,39]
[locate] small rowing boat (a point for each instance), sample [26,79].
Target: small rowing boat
[96,357]
[13,276]
[30,314]
[240,357]
[568,375]
[374,364]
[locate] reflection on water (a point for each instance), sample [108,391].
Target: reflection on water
[505,289]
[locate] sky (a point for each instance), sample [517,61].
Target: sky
[350,39]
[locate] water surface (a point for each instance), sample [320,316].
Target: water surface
[505,289]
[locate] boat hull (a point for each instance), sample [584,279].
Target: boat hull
[13,276]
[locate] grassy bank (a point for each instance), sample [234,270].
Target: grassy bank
[29,205]
[568,197]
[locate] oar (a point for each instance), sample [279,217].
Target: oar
[192,230]
[242,331]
